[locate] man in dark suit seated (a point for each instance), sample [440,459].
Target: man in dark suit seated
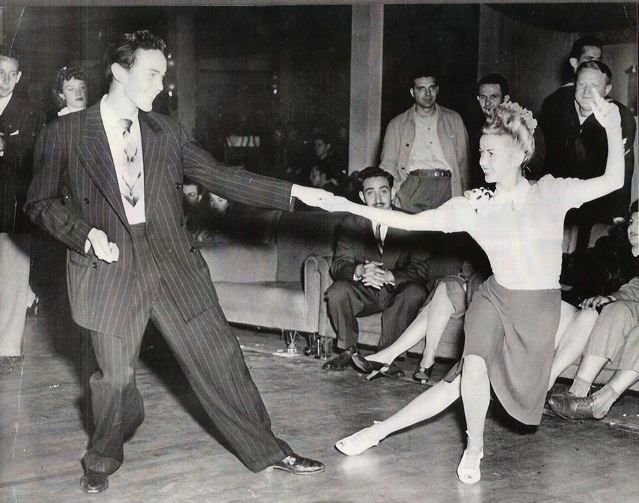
[375,270]
[108,184]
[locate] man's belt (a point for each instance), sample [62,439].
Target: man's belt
[431,173]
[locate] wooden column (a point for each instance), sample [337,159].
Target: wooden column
[181,42]
[366,85]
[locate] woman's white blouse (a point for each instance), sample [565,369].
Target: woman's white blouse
[521,231]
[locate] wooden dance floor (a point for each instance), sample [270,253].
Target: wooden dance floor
[173,457]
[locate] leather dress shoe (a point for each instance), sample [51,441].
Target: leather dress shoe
[94,482]
[299,465]
[567,406]
[340,362]
[376,369]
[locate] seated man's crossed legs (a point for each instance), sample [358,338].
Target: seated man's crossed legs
[348,300]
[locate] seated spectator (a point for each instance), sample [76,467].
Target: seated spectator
[584,151]
[70,89]
[599,270]
[614,340]
[321,178]
[492,90]
[325,156]
[426,149]
[375,270]
[209,217]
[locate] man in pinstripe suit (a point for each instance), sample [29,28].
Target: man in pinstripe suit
[108,184]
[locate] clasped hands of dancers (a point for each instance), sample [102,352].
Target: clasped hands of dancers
[520,227]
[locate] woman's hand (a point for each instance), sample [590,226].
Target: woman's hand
[595,302]
[606,113]
[335,203]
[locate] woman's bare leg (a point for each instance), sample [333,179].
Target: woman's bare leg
[430,322]
[475,392]
[441,309]
[430,403]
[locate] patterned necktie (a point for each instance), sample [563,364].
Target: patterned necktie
[132,174]
[378,238]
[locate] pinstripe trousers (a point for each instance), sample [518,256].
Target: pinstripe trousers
[211,358]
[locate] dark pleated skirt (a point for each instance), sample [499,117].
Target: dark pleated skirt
[514,332]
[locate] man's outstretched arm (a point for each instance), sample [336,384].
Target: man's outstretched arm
[237,184]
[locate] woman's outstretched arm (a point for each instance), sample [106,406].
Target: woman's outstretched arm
[440,219]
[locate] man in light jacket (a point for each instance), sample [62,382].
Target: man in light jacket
[426,150]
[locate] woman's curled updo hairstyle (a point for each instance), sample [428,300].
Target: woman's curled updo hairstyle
[515,121]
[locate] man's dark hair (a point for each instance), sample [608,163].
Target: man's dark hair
[67,73]
[595,65]
[374,172]
[578,45]
[423,72]
[495,78]
[634,206]
[123,50]
[322,168]
[324,135]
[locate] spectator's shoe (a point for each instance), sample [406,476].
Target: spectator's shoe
[8,362]
[299,465]
[376,369]
[571,407]
[422,375]
[340,362]
[94,482]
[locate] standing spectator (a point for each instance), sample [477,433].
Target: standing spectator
[493,90]
[584,151]
[70,89]
[19,125]
[558,107]
[426,150]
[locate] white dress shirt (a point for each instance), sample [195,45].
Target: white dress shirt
[111,121]
[383,229]
[521,231]
[426,152]
[4,102]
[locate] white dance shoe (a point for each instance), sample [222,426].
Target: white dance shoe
[357,443]
[468,470]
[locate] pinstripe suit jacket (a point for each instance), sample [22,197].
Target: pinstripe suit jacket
[75,189]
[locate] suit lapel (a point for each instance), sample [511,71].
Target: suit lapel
[152,140]
[95,153]
[11,117]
